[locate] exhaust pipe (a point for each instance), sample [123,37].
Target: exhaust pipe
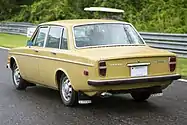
[106,95]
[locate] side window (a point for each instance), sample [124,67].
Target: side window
[64,42]
[39,39]
[53,39]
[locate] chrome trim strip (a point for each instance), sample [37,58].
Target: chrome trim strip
[51,58]
[102,67]
[132,78]
[138,64]
[125,23]
[172,63]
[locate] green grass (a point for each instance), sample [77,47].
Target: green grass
[11,41]
[182,67]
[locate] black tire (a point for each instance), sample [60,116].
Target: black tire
[74,95]
[140,96]
[22,84]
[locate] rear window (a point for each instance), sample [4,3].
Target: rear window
[106,34]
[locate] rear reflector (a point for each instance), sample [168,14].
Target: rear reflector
[86,73]
[172,63]
[102,68]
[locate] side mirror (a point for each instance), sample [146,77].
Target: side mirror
[29,43]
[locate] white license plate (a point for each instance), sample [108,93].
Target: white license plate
[157,95]
[137,71]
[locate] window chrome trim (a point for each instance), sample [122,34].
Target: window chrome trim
[62,28]
[61,35]
[46,37]
[36,34]
[52,58]
[125,23]
[138,33]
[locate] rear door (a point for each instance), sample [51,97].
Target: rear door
[55,44]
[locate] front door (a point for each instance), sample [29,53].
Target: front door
[31,69]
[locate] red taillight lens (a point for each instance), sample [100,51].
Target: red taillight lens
[102,68]
[172,63]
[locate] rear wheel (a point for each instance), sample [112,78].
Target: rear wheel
[18,81]
[140,96]
[68,95]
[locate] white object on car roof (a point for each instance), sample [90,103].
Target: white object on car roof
[103,9]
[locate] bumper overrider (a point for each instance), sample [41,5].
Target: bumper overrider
[134,80]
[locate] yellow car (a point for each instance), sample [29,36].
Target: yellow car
[88,57]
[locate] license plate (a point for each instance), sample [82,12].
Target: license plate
[157,95]
[137,71]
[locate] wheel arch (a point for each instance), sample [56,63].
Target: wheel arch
[58,74]
[12,61]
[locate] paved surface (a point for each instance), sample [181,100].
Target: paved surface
[42,106]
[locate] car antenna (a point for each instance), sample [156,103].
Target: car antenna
[109,12]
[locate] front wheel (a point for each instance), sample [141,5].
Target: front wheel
[140,96]
[68,95]
[18,81]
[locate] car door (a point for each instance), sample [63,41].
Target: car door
[55,44]
[38,40]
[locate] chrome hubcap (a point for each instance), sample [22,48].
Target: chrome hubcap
[17,76]
[66,89]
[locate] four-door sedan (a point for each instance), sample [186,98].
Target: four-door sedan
[85,58]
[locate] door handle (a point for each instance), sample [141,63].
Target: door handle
[35,50]
[52,52]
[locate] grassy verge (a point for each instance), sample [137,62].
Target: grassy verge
[182,67]
[11,41]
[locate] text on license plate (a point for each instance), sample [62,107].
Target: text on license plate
[139,71]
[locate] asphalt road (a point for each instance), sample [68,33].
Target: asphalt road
[42,106]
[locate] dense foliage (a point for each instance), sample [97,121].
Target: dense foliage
[146,15]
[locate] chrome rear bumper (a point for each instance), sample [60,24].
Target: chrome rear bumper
[134,80]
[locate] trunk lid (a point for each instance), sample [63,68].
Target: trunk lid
[109,53]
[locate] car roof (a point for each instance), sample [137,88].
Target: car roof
[81,21]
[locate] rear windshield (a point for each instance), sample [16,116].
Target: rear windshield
[106,35]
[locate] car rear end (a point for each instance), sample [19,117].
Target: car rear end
[128,74]
[124,61]
[136,67]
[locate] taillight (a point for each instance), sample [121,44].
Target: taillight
[172,63]
[102,68]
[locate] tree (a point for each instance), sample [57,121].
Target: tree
[146,15]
